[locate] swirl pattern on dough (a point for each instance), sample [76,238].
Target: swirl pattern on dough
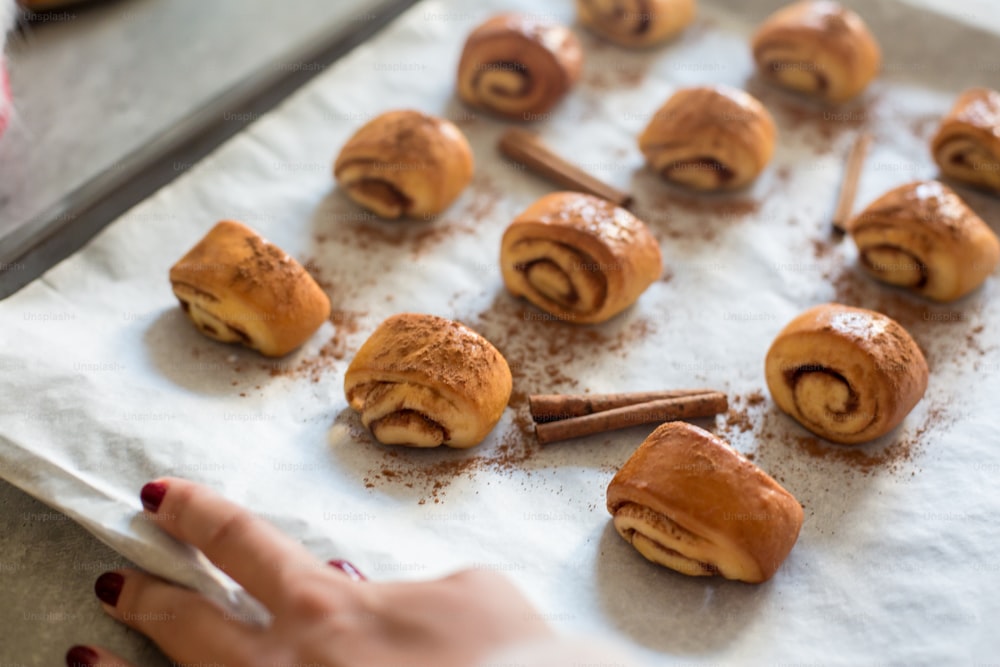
[709,138]
[818,48]
[579,257]
[923,237]
[518,66]
[405,163]
[690,502]
[849,375]
[967,145]
[636,23]
[424,381]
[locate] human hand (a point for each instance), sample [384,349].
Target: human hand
[322,615]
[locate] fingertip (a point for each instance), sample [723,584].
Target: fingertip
[108,587]
[82,656]
[88,656]
[152,495]
[347,568]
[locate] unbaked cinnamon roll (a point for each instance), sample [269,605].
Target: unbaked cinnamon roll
[709,138]
[690,502]
[518,66]
[424,381]
[967,145]
[579,257]
[847,374]
[923,237]
[405,163]
[237,287]
[636,23]
[818,48]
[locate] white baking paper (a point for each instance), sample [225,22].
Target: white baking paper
[106,385]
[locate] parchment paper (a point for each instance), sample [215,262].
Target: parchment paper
[106,385]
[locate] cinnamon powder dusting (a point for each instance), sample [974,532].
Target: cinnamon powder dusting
[328,357]
[541,353]
[345,227]
[672,214]
[784,450]
[820,127]
[943,332]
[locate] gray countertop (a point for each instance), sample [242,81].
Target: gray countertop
[103,88]
[95,83]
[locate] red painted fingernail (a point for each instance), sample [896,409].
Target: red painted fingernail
[348,569]
[108,587]
[82,656]
[152,495]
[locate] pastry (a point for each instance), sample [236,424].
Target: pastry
[405,163]
[967,145]
[818,48]
[847,374]
[636,23]
[688,501]
[709,138]
[424,381]
[923,237]
[518,66]
[578,257]
[236,287]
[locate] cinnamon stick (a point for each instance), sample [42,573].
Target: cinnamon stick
[526,148]
[552,407]
[663,410]
[849,186]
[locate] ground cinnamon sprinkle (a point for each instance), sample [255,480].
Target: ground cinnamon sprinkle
[857,457]
[922,319]
[923,127]
[540,352]
[717,205]
[333,352]
[677,215]
[739,420]
[817,471]
[431,472]
[623,71]
[345,226]
[820,126]
[944,332]
[821,248]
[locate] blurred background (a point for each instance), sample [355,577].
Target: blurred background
[113,98]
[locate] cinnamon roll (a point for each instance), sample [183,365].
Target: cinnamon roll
[636,23]
[424,381]
[579,257]
[690,502]
[518,66]
[238,288]
[847,374]
[405,163]
[818,48]
[922,236]
[967,145]
[709,138]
